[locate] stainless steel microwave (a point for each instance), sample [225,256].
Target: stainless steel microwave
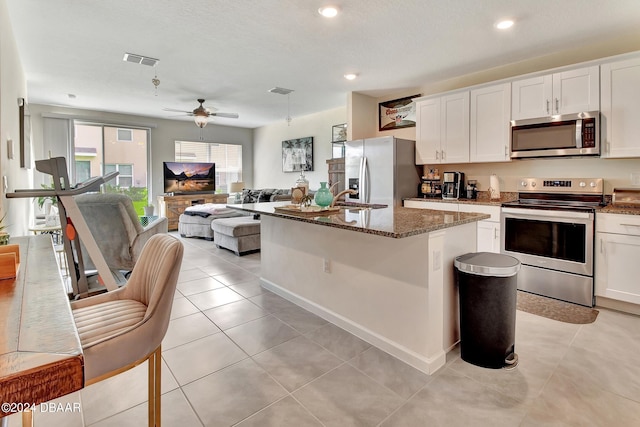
[554,136]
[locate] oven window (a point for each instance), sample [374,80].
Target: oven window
[549,239]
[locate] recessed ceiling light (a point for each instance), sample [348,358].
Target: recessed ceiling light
[350,76]
[503,25]
[328,11]
[71,96]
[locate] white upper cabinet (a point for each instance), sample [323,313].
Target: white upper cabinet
[620,108]
[566,92]
[442,129]
[489,124]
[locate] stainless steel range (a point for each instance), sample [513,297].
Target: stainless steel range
[550,229]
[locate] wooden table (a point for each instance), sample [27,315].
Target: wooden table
[40,352]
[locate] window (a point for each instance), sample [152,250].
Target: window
[125,135]
[83,170]
[125,177]
[227,157]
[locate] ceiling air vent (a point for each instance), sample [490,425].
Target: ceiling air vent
[139,59]
[281,90]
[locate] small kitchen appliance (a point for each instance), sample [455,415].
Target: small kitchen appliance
[429,187]
[472,189]
[452,185]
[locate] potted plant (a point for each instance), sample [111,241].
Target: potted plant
[148,210]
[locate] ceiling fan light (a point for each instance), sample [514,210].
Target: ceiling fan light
[201,121]
[328,11]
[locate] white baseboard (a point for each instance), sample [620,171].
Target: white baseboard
[426,365]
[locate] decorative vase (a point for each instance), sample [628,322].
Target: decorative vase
[303,182]
[148,210]
[323,197]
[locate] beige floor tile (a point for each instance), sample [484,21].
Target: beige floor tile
[182,307]
[199,358]
[271,302]
[235,277]
[565,402]
[338,341]
[248,289]
[124,391]
[234,314]
[176,412]
[196,286]
[189,274]
[300,319]
[233,394]
[452,399]
[296,362]
[286,412]
[394,374]
[346,397]
[188,328]
[261,334]
[214,298]
[66,411]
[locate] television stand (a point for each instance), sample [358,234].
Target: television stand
[172,207]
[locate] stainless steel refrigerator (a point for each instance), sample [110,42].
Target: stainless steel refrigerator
[381,170]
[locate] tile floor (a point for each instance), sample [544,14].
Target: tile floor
[236,354]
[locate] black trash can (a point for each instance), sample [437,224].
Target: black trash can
[487,283]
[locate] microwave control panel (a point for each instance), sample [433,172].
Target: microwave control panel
[589,133]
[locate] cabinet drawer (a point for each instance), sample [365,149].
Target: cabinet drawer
[618,224]
[494,211]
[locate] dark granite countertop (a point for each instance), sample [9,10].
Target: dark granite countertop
[620,209]
[390,222]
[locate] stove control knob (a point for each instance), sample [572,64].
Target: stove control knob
[523,183]
[583,184]
[593,184]
[533,183]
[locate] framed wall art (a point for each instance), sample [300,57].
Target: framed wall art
[398,113]
[339,133]
[297,155]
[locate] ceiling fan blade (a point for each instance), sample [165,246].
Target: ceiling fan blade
[175,111]
[227,115]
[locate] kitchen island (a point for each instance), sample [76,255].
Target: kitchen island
[386,275]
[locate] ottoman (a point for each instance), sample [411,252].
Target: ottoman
[240,235]
[198,226]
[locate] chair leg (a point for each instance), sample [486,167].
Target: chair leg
[155,382]
[27,419]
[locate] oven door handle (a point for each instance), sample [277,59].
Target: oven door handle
[547,214]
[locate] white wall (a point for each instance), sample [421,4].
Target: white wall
[163,135]
[267,154]
[13,85]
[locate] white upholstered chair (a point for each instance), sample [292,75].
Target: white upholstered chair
[124,328]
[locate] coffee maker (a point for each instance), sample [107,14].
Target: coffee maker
[453,185]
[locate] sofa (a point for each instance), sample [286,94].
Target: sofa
[192,223]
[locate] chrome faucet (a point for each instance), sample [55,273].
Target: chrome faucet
[335,199]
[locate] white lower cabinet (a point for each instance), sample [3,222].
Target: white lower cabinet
[488,231]
[617,257]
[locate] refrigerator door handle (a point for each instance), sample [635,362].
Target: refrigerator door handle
[361,180]
[365,181]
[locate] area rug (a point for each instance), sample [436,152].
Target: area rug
[554,309]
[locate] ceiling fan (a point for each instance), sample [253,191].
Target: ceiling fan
[201,114]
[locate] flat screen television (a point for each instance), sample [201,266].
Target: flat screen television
[186,178]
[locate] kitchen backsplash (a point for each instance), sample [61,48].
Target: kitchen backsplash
[615,172]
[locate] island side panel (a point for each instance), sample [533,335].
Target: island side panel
[377,287]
